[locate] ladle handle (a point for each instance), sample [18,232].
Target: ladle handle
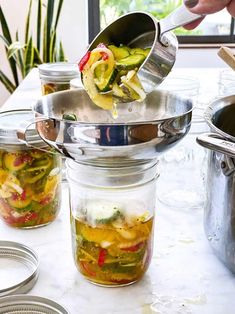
[217,143]
[179,17]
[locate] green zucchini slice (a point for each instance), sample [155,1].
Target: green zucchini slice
[104,79]
[131,62]
[140,51]
[119,52]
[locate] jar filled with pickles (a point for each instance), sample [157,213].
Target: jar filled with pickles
[56,76]
[112,219]
[30,176]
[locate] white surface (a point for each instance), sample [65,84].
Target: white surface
[185,277]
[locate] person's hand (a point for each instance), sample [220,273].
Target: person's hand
[208,7]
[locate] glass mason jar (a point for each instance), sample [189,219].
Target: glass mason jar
[112,214]
[76,83]
[30,180]
[56,77]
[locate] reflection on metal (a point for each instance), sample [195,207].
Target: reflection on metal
[141,131]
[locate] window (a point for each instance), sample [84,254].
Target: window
[216,28]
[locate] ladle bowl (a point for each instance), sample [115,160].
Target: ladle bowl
[142,131]
[142,30]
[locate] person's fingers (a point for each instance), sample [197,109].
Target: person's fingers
[194,24]
[231,8]
[191,3]
[207,6]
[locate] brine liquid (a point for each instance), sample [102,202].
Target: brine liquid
[110,255]
[30,187]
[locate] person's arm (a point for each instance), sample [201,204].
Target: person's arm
[208,7]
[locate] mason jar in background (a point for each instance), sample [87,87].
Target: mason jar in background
[112,215]
[226,82]
[183,171]
[76,83]
[30,180]
[57,76]
[183,168]
[184,86]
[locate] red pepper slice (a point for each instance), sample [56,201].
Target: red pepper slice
[21,220]
[134,248]
[18,161]
[21,160]
[101,257]
[104,55]
[23,196]
[27,158]
[30,216]
[17,196]
[87,269]
[45,200]
[84,61]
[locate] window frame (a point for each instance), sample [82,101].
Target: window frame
[94,29]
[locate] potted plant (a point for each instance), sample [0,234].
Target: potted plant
[22,57]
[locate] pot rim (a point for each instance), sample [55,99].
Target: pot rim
[213,107]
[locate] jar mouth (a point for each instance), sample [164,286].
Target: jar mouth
[116,165]
[121,177]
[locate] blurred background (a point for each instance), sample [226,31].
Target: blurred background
[79,21]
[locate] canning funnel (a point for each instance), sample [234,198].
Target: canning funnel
[143,30]
[142,131]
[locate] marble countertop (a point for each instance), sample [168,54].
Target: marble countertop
[184,277]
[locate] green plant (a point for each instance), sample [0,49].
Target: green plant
[112,9]
[22,57]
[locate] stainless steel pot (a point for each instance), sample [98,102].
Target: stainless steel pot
[141,132]
[219,218]
[143,30]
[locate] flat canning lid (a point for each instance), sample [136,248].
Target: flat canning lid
[18,268]
[11,121]
[58,71]
[28,304]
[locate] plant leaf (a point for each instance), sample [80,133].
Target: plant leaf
[28,22]
[37,59]
[7,35]
[13,48]
[6,82]
[44,50]
[20,56]
[39,24]
[49,20]
[58,13]
[6,42]
[61,57]
[29,57]
[52,47]
[5,28]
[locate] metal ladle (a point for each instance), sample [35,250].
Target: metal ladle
[143,30]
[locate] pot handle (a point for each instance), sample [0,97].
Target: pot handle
[179,17]
[217,143]
[22,134]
